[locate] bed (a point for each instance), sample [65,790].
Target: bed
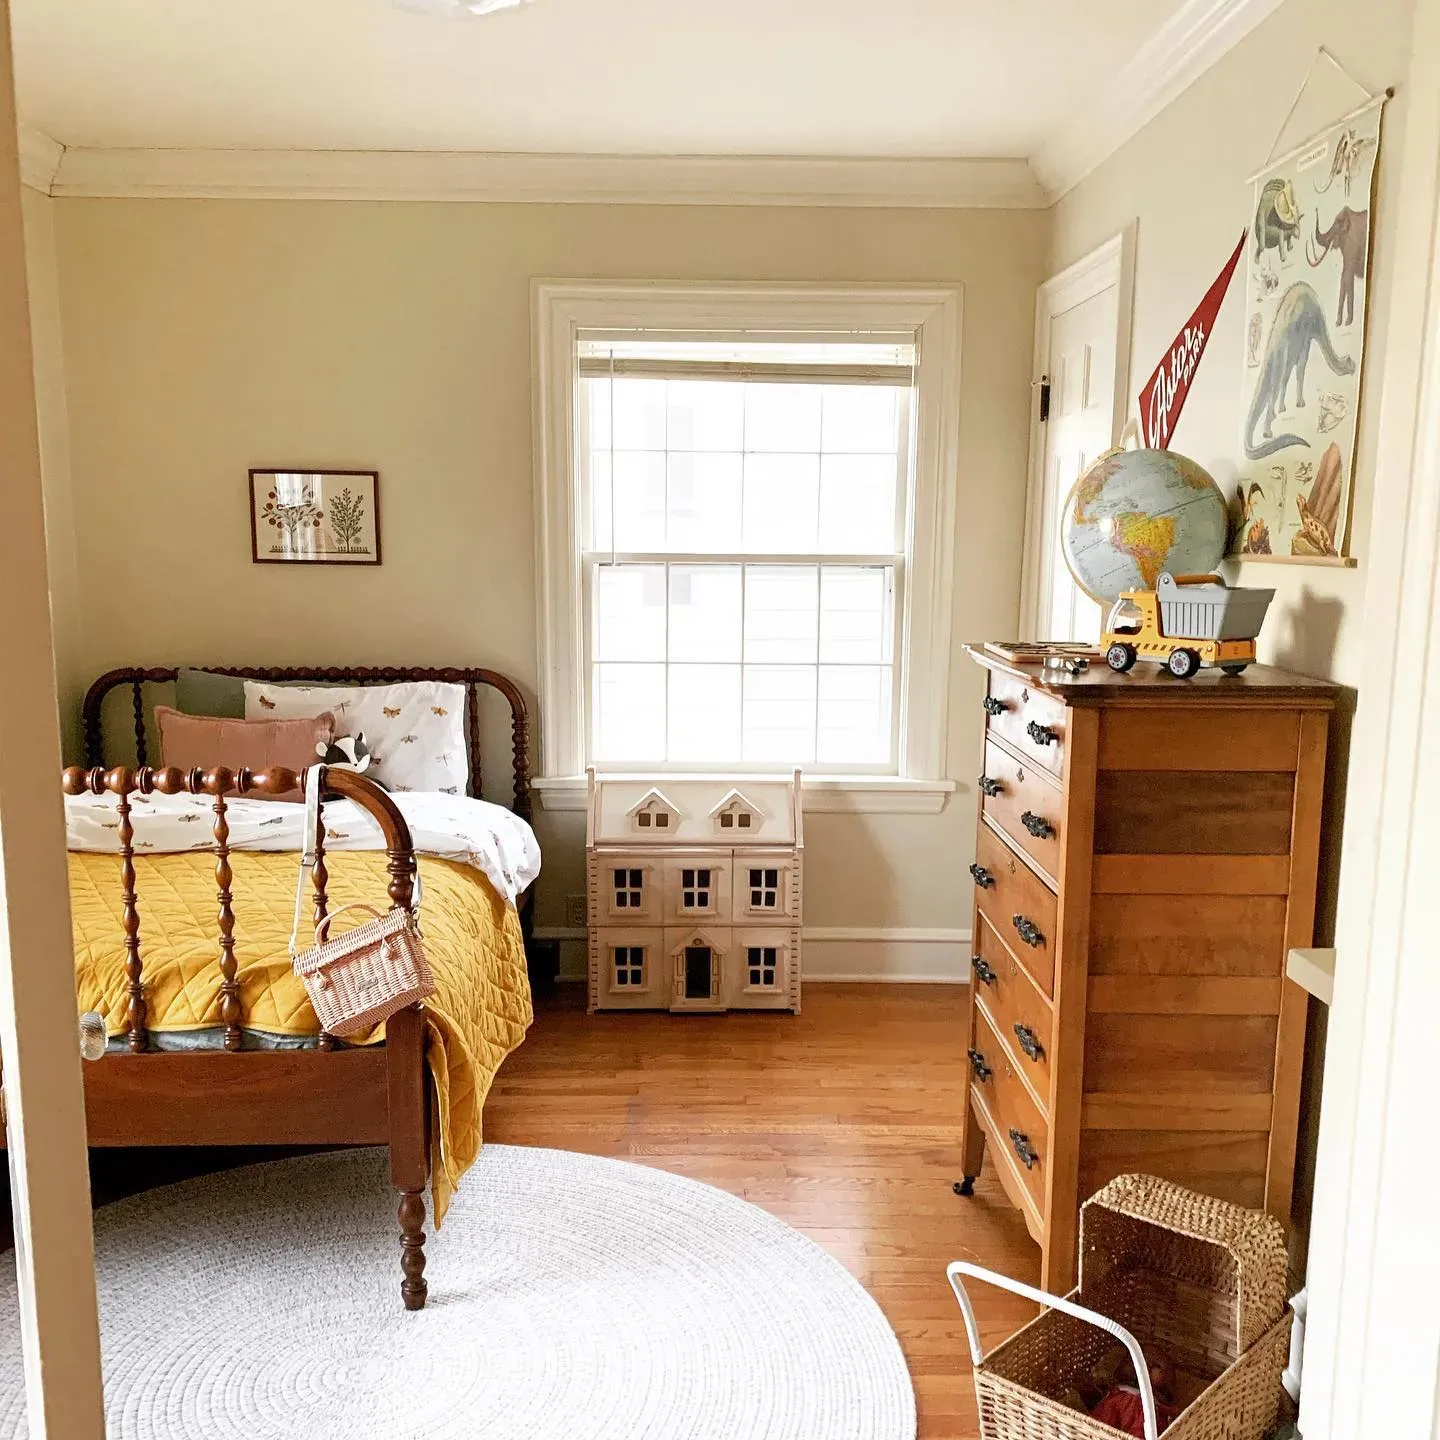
[182,929]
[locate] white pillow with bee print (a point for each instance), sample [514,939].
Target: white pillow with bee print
[415,731]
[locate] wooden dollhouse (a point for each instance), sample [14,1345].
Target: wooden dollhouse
[694,893]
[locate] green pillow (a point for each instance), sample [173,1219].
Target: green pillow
[207,692]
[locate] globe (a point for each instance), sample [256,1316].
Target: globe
[1134,513]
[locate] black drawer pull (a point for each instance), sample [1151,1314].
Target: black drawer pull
[981,1070]
[1027,931]
[1029,1156]
[1037,825]
[994,706]
[990,787]
[982,877]
[983,973]
[1028,1041]
[1042,734]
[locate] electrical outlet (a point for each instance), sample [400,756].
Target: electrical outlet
[575,915]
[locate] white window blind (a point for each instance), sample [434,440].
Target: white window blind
[744,519]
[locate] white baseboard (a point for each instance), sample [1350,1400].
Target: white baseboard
[836,954]
[856,954]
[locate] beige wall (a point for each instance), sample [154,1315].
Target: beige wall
[38,214]
[1184,177]
[205,337]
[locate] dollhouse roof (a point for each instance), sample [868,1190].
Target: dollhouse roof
[735,797]
[654,799]
[695,801]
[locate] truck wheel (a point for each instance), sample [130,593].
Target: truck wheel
[1236,668]
[1120,656]
[1183,663]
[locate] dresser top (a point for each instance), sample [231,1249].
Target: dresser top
[1099,684]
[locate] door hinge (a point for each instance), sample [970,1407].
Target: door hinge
[1044,398]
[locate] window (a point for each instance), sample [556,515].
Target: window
[695,889]
[764,888]
[743,509]
[629,962]
[763,963]
[629,889]
[746,498]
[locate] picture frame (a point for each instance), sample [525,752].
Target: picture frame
[314,517]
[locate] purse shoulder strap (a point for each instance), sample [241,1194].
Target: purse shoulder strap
[314,788]
[314,783]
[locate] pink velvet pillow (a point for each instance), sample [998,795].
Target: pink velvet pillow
[188,741]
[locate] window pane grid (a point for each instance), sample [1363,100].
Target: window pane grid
[744,571]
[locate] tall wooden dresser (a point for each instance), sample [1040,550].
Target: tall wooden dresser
[1146,854]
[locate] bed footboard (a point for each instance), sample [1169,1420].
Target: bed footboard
[239,1097]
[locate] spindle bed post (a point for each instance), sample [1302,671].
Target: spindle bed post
[122,782]
[409,1106]
[217,782]
[320,878]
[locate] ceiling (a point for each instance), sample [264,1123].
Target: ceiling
[917,78]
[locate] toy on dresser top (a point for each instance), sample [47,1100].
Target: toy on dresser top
[1187,621]
[694,893]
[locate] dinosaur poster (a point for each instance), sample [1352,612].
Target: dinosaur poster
[1305,285]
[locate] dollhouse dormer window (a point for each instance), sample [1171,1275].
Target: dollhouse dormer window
[736,815]
[654,814]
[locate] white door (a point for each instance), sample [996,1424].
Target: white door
[1079,340]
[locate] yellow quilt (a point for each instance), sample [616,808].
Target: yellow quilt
[478,1015]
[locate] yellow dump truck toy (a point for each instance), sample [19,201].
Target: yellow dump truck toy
[1187,621]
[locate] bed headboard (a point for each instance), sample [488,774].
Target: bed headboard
[472,679]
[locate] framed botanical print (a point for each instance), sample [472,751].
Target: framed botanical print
[315,517]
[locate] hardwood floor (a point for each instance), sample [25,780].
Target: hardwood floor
[843,1121]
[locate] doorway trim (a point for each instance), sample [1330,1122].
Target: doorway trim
[1109,265]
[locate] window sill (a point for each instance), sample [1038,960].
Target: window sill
[823,794]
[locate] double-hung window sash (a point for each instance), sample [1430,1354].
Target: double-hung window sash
[744,511]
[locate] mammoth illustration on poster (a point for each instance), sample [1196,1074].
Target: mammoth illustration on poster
[1305,285]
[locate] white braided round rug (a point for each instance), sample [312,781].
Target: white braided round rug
[570,1297]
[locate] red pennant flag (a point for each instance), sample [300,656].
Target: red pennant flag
[1163,397]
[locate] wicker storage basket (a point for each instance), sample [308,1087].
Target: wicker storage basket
[1161,1269]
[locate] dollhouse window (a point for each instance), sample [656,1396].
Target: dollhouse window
[764,889]
[698,972]
[629,963]
[763,962]
[629,887]
[695,889]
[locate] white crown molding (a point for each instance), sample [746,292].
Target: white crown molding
[546,179]
[40,158]
[1183,49]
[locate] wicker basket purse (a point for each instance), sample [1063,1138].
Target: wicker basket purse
[1161,1268]
[364,976]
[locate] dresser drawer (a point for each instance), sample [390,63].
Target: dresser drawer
[1020,1014]
[1027,718]
[1018,903]
[1019,1128]
[1023,801]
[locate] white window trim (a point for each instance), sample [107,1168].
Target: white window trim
[560,309]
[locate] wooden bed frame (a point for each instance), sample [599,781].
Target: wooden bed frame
[333,1095]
